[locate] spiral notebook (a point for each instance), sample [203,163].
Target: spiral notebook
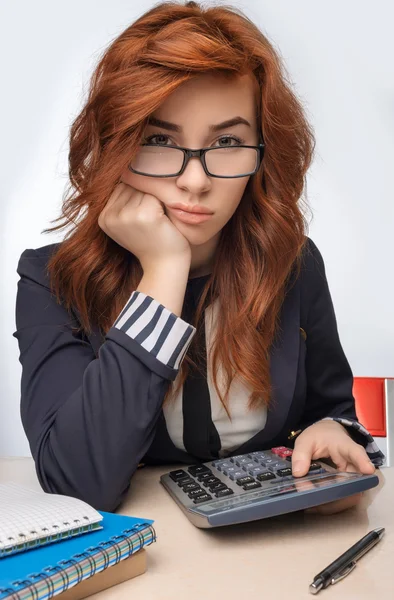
[43,572]
[30,518]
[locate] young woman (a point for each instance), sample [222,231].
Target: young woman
[186,314]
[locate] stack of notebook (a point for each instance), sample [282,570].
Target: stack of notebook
[52,544]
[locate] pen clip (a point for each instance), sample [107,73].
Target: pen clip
[342,574]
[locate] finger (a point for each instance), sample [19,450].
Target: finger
[110,204]
[339,460]
[357,456]
[351,468]
[125,196]
[119,188]
[353,457]
[301,457]
[128,196]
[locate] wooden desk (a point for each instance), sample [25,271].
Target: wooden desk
[263,560]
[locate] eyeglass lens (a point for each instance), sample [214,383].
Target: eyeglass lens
[229,161]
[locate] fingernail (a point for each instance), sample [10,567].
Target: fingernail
[297,467]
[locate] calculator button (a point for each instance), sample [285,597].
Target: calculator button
[251,486]
[269,461]
[221,461]
[198,469]
[284,472]
[265,476]
[185,481]
[234,459]
[222,493]
[244,480]
[224,465]
[217,486]
[204,476]
[189,487]
[248,465]
[237,474]
[203,498]
[196,493]
[259,455]
[316,467]
[211,480]
[277,466]
[242,461]
[178,474]
[285,453]
[278,449]
[257,470]
[230,470]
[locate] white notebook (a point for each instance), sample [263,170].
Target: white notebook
[33,518]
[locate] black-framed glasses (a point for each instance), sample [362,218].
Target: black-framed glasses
[155,160]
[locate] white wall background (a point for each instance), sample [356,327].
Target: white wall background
[339,56]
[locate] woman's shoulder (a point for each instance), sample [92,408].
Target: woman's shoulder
[33,263]
[308,274]
[312,273]
[312,262]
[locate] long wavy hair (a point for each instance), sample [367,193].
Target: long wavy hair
[261,244]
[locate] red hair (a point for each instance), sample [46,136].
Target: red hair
[165,47]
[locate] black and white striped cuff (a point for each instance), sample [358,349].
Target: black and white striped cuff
[374,453]
[164,335]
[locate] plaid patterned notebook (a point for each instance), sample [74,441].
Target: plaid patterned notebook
[47,569]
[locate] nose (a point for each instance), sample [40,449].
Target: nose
[194,177]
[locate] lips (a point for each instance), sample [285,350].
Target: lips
[197,208]
[192,218]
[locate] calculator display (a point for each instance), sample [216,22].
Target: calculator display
[266,494]
[257,485]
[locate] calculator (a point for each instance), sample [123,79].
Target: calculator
[256,486]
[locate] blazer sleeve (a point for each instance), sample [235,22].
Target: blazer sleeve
[328,373]
[90,420]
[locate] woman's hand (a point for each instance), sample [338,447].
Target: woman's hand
[329,439]
[138,222]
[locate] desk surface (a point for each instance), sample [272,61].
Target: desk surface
[267,559]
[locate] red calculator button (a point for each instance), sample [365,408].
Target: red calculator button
[285,453]
[278,449]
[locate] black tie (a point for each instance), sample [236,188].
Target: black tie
[200,436]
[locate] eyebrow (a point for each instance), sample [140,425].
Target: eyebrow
[212,128]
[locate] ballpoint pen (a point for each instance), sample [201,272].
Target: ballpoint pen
[344,564]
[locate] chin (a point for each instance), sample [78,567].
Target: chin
[196,239]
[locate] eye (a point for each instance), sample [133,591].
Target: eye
[237,140]
[150,139]
[153,139]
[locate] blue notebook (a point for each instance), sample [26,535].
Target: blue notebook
[45,571]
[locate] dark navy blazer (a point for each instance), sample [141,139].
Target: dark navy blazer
[91,406]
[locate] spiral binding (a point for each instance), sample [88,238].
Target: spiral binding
[19,546]
[73,571]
